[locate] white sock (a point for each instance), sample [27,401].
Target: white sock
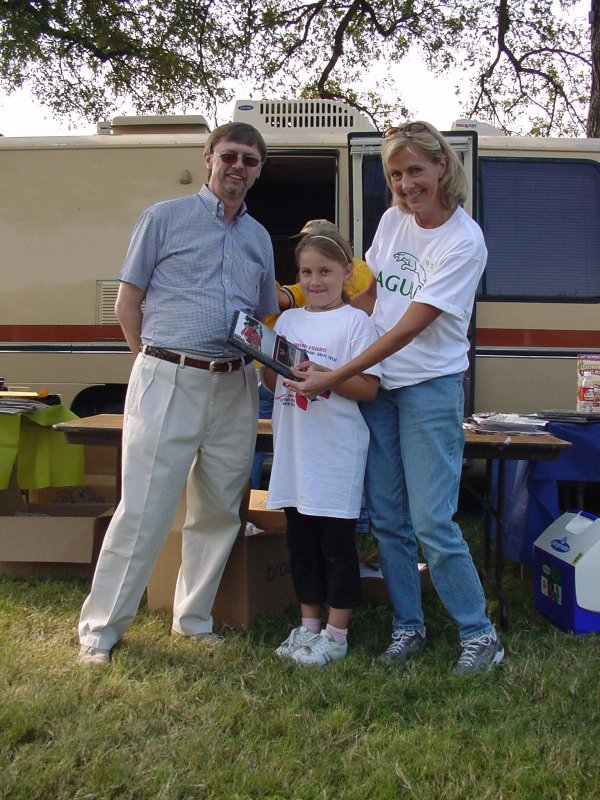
[339,635]
[312,625]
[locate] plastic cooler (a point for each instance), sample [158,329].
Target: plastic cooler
[566,566]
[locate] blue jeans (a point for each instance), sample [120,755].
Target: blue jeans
[412,483]
[362,523]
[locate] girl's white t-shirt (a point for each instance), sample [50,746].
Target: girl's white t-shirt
[438,266]
[320,446]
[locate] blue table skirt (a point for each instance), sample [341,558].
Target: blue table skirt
[532,498]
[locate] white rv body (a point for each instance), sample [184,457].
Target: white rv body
[68,206]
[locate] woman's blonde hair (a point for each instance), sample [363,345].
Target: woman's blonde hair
[328,241]
[453,185]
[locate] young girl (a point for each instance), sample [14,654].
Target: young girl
[320,450]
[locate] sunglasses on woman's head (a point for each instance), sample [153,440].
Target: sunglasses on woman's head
[408,129]
[231,158]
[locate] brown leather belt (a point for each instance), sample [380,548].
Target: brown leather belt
[188,361]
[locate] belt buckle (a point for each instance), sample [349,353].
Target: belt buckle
[212,367]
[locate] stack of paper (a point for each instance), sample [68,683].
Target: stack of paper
[19,405]
[493,422]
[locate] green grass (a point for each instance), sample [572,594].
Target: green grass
[168,720]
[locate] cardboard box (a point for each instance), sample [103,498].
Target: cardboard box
[95,489]
[99,480]
[53,540]
[257,578]
[100,459]
[373,586]
[12,498]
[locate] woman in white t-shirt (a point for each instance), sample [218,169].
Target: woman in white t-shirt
[427,258]
[320,451]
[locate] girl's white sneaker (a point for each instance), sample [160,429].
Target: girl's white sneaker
[297,638]
[320,651]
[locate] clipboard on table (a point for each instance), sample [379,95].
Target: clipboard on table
[262,343]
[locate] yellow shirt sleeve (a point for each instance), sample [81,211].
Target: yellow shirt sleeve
[298,300]
[296,291]
[359,280]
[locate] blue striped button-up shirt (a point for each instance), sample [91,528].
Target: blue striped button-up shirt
[196,270]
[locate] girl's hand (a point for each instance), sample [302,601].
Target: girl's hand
[313,379]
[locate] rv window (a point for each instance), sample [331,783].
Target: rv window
[376,197]
[540,220]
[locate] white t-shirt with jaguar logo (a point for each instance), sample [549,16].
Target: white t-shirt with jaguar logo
[438,266]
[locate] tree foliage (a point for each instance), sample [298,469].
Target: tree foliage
[527,67]
[593,122]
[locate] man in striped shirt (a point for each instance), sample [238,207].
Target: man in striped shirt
[191,406]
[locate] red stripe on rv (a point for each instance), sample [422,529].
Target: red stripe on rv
[534,338]
[486,337]
[60,334]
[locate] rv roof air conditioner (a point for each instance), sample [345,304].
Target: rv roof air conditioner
[173,123]
[267,115]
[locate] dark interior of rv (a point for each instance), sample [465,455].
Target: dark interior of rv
[293,188]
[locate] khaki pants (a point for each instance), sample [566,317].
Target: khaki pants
[181,423]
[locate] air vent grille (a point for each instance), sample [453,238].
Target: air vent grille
[106,295]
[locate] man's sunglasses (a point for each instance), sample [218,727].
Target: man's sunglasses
[410,128]
[231,158]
